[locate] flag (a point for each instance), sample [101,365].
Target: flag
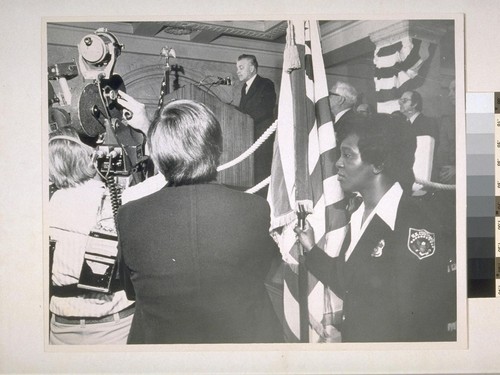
[303,172]
[397,68]
[400,67]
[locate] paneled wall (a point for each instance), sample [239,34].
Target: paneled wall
[346,46]
[142,67]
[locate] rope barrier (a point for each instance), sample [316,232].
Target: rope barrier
[269,131]
[435,185]
[259,186]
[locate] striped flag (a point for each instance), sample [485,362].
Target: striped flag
[303,172]
[400,67]
[397,68]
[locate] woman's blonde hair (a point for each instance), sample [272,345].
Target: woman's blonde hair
[70,160]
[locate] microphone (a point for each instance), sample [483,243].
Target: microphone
[224,81]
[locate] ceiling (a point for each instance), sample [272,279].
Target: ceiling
[267,35]
[341,42]
[208,32]
[266,32]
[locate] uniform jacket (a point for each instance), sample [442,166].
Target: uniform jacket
[393,290]
[195,259]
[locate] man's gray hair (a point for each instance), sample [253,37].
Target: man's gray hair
[347,91]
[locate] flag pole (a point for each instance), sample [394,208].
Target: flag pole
[303,282]
[303,291]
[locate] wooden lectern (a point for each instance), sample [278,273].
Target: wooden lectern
[237,134]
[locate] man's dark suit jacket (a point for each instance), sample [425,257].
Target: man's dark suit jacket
[194,258]
[259,103]
[424,125]
[393,295]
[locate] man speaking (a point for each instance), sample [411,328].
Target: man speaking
[258,99]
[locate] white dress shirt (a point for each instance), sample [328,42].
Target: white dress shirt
[249,83]
[413,117]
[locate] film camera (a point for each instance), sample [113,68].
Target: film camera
[84,95]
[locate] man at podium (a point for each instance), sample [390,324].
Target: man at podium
[258,99]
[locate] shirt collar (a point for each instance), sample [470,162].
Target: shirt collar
[386,209]
[249,83]
[387,206]
[415,115]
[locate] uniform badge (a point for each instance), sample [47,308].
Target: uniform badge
[421,242]
[377,251]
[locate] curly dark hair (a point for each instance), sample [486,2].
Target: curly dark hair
[387,142]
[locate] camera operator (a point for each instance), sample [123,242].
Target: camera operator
[78,316]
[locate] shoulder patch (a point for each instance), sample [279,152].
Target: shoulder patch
[421,242]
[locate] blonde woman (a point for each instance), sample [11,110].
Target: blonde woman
[79,316]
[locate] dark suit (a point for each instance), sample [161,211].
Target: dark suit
[395,296]
[423,125]
[195,259]
[259,103]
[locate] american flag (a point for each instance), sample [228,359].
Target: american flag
[304,173]
[397,67]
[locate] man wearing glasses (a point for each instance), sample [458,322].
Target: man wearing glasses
[410,105]
[343,98]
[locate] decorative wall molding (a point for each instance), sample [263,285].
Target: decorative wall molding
[428,30]
[276,30]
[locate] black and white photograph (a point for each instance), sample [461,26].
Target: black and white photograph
[276,181]
[285,187]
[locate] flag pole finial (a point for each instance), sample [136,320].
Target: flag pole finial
[291,57]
